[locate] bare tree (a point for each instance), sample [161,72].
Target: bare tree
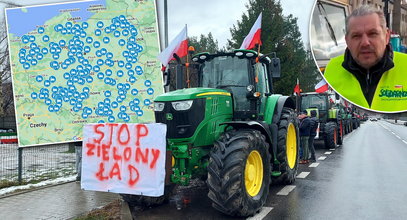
[6,91]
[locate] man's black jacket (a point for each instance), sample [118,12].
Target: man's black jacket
[368,79]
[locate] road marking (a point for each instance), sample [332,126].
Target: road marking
[328,152]
[286,190]
[303,175]
[332,149]
[259,216]
[321,158]
[313,165]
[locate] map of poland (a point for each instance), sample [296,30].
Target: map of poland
[80,63]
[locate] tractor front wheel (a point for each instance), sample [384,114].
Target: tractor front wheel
[331,136]
[287,148]
[239,172]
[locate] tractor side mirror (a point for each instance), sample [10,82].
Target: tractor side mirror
[275,67]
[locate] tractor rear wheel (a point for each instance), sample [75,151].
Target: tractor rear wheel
[287,147]
[239,172]
[331,136]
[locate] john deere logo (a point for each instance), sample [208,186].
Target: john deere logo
[168,116]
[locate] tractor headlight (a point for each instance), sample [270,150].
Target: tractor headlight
[159,106]
[182,105]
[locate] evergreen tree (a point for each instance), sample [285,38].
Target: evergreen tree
[204,44]
[279,34]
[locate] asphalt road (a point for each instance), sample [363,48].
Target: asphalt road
[365,178]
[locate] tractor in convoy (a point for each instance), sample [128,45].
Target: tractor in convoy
[331,126]
[230,130]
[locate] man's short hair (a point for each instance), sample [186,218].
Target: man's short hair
[366,10]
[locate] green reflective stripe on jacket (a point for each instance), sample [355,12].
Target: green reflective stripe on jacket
[390,94]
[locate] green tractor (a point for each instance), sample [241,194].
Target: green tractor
[230,130]
[331,124]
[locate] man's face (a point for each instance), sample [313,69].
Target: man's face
[366,40]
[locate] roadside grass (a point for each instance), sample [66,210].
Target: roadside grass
[111,211]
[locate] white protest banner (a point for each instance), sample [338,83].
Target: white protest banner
[124,158]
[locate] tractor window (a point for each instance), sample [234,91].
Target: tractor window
[231,74]
[260,71]
[313,101]
[225,71]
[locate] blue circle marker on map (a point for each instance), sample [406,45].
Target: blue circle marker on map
[26,66]
[34,62]
[68,24]
[100,62]
[25,39]
[32,38]
[111,119]
[40,30]
[134,91]
[108,93]
[147,83]
[106,40]
[96,68]
[98,32]
[150,91]
[89,79]
[125,32]
[120,63]
[109,55]
[85,25]
[48,101]
[115,104]
[120,73]
[96,44]
[122,42]
[99,24]
[147,102]
[34,95]
[52,79]
[62,43]
[45,38]
[108,72]
[89,40]
[108,80]
[98,53]
[140,113]
[132,79]
[101,75]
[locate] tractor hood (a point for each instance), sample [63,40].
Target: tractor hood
[191,93]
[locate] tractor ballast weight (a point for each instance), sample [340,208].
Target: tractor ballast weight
[231,130]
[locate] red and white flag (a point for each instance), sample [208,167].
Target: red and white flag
[179,46]
[297,90]
[253,37]
[321,86]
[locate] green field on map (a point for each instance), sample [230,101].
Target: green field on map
[82,62]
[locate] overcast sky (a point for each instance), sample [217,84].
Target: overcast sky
[216,16]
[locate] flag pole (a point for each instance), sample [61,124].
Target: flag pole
[187,63]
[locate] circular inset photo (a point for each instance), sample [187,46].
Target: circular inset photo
[359,56]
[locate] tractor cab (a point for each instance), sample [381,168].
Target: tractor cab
[242,73]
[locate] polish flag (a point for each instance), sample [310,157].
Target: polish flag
[179,46]
[253,37]
[321,86]
[297,90]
